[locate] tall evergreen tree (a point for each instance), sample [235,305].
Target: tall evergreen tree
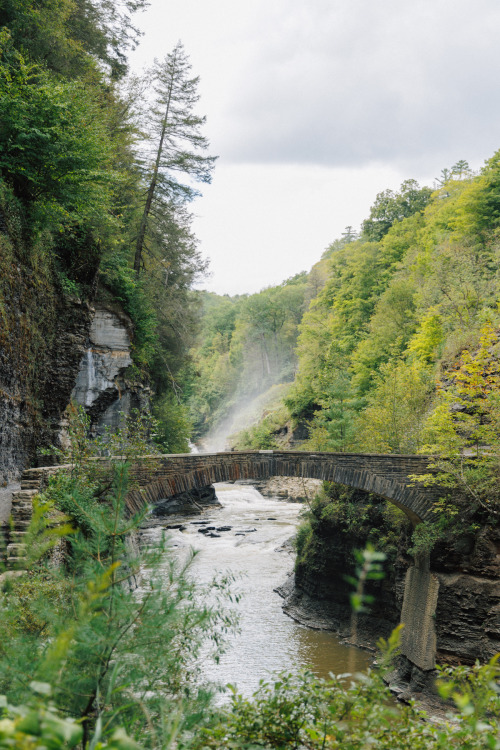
[180,146]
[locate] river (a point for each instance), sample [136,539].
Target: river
[254,551]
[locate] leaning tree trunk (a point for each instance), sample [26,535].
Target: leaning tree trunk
[139,247]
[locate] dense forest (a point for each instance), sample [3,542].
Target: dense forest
[390,343]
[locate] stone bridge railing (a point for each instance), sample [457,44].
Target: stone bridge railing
[155,478]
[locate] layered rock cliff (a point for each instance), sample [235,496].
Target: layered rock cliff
[102,386]
[466,572]
[42,341]
[54,347]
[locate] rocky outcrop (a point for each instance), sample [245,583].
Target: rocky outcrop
[321,594]
[293,489]
[102,387]
[187,503]
[468,606]
[42,340]
[465,576]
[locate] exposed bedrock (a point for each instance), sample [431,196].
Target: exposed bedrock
[102,386]
[321,595]
[462,588]
[293,489]
[468,606]
[187,503]
[39,362]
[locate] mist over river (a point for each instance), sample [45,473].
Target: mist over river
[254,551]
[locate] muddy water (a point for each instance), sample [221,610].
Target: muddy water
[269,640]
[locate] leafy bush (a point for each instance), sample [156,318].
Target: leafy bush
[346,713]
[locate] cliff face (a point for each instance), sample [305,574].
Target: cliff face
[467,616]
[42,340]
[54,347]
[101,386]
[468,607]
[327,558]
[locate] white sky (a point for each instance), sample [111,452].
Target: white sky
[315,106]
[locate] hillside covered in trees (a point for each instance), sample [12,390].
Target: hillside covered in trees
[391,326]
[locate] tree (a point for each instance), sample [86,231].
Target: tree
[69,36]
[55,152]
[349,235]
[179,143]
[390,207]
[461,169]
[444,177]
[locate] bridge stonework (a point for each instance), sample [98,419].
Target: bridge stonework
[160,477]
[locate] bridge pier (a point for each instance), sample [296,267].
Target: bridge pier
[418,637]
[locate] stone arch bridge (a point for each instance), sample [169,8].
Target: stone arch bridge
[160,477]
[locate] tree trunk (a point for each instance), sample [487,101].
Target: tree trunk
[139,247]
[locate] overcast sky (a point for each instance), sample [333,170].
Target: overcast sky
[315,106]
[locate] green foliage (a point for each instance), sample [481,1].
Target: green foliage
[464,430]
[116,656]
[70,36]
[392,420]
[37,725]
[428,533]
[302,711]
[246,345]
[390,207]
[302,537]
[394,318]
[264,435]
[72,150]
[172,426]
[339,521]
[369,568]
[54,145]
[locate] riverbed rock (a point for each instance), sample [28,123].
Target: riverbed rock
[187,503]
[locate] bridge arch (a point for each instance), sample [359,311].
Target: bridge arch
[160,477]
